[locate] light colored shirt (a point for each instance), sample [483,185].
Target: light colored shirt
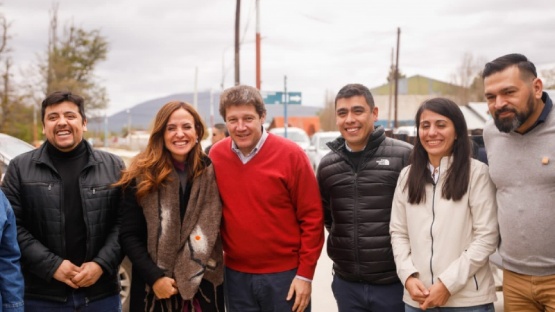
[351,150]
[434,171]
[245,159]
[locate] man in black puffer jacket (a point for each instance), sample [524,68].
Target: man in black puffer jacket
[357,180]
[66,214]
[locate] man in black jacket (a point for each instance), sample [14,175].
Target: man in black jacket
[357,180]
[66,214]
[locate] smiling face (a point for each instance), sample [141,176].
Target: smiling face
[514,100]
[244,126]
[180,135]
[355,120]
[437,135]
[63,126]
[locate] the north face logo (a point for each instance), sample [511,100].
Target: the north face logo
[383,162]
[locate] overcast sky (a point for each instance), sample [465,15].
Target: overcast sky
[155,45]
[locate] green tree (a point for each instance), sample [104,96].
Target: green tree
[71,61]
[13,111]
[6,105]
[391,75]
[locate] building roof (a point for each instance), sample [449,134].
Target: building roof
[418,85]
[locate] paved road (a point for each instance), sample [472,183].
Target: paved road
[322,296]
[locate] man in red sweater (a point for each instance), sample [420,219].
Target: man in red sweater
[272,228]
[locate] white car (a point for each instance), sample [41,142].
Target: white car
[408,130]
[319,147]
[294,134]
[9,148]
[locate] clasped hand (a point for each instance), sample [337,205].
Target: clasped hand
[78,276]
[436,296]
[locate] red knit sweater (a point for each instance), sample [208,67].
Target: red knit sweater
[272,211]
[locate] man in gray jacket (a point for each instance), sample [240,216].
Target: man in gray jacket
[357,181]
[66,214]
[520,145]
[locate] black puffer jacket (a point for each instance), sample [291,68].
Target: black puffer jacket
[33,187]
[357,207]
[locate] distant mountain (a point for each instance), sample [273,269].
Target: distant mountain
[140,116]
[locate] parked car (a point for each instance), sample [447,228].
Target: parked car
[319,148]
[296,135]
[125,282]
[9,148]
[408,130]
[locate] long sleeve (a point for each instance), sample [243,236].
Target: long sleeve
[11,279]
[485,236]
[133,237]
[399,231]
[35,256]
[306,199]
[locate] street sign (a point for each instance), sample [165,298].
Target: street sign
[294,98]
[272,97]
[277,97]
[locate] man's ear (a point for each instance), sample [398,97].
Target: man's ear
[537,85]
[263,118]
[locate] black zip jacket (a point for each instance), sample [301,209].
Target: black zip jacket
[357,207]
[34,190]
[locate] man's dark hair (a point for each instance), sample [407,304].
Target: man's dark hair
[222,128]
[58,97]
[501,63]
[355,89]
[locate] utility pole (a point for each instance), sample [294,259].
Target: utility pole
[390,83]
[397,77]
[105,129]
[128,121]
[258,45]
[195,94]
[285,106]
[35,125]
[237,43]
[211,108]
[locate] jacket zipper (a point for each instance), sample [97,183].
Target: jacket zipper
[434,183]
[431,232]
[355,221]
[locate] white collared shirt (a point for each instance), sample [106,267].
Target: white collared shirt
[245,159]
[351,150]
[434,171]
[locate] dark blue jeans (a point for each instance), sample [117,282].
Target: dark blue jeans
[363,297]
[245,292]
[480,308]
[76,302]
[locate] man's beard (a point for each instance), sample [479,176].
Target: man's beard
[510,124]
